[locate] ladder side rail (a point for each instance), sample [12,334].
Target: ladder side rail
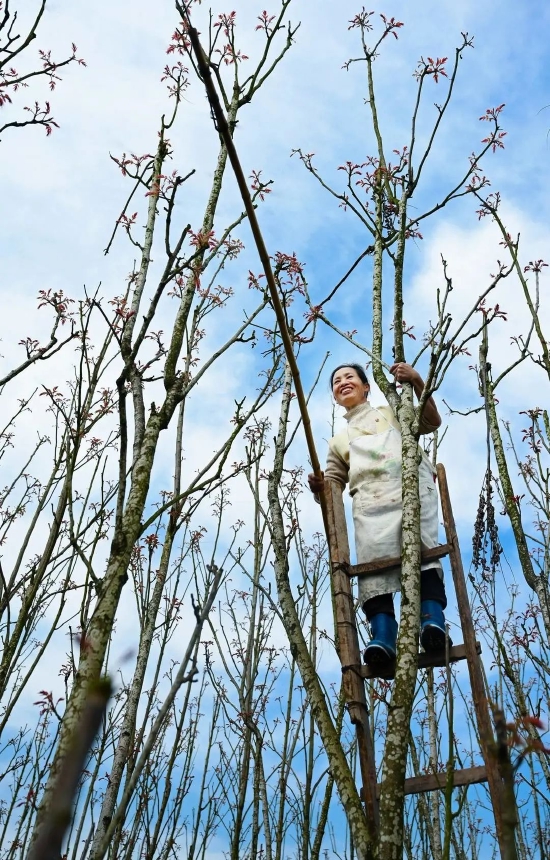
[347,641]
[481,704]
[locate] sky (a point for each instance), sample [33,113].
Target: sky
[62,194]
[113,105]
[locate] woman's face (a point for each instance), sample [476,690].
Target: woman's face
[347,388]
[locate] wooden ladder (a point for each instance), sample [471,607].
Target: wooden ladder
[355,673]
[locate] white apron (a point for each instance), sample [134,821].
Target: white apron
[375,487]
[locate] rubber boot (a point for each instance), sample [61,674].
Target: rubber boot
[380,652]
[432,626]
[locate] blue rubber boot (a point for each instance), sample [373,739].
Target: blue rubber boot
[432,626]
[380,652]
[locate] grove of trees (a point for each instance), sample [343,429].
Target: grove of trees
[169,681]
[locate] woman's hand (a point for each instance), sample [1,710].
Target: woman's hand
[316,484]
[431,419]
[403,372]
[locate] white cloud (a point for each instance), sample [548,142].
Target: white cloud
[62,196]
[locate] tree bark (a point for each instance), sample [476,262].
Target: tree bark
[338,763]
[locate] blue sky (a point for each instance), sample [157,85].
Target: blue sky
[113,106]
[62,194]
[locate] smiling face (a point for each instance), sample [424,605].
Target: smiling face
[347,387]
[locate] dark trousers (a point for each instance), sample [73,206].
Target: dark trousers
[431,588]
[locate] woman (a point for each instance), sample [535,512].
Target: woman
[368,455]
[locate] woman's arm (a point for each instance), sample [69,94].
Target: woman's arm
[431,419]
[336,470]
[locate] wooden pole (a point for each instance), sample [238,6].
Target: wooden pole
[225,133]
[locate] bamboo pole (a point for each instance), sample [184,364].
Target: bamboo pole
[223,129]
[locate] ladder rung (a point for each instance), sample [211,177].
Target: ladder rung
[435,781]
[434,659]
[386,564]
[439,658]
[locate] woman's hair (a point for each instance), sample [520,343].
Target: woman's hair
[358,369]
